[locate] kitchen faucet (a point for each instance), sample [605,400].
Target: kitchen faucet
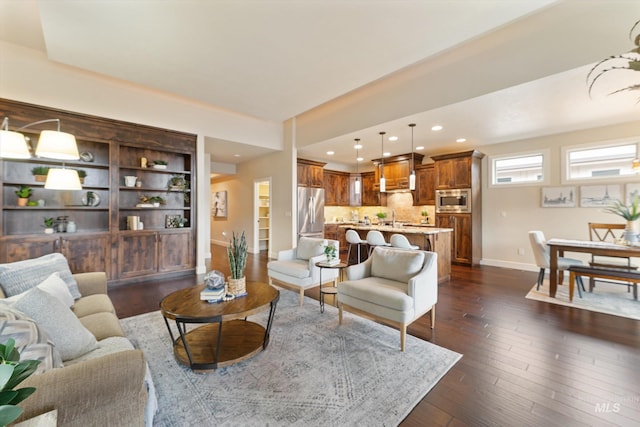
[393,218]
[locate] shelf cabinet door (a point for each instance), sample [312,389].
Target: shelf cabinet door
[137,254]
[87,253]
[371,195]
[20,248]
[454,173]
[174,250]
[461,245]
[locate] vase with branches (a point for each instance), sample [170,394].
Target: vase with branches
[631,213]
[237,253]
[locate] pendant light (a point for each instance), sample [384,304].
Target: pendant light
[12,144]
[357,185]
[383,186]
[412,175]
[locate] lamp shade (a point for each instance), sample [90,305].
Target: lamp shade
[357,186]
[13,145]
[383,185]
[57,145]
[412,181]
[63,179]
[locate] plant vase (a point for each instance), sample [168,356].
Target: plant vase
[631,231]
[22,201]
[48,230]
[237,287]
[40,178]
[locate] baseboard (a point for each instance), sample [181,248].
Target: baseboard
[510,264]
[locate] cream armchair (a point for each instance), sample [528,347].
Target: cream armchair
[296,268]
[393,286]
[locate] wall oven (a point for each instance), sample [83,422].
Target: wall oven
[453,201]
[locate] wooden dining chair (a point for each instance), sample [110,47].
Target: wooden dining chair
[602,232]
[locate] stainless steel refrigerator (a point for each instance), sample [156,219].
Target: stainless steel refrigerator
[310,212]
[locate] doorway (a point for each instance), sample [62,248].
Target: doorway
[262,215]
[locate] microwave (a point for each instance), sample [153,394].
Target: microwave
[456,201]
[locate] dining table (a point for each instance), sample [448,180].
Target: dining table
[557,248]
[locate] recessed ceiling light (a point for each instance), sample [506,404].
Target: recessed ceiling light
[393,138]
[359,159]
[330,153]
[436,128]
[357,146]
[236,155]
[461,140]
[419,147]
[386,154]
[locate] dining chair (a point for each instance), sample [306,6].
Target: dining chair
[602,232]
[541,254]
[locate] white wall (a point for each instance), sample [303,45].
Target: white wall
[27,75]
[510,212]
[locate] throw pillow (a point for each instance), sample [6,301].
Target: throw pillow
[53,285]
[308,247]
[31,341]
[69,335]
[20,276]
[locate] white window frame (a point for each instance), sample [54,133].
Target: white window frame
[546,160]
[564,164]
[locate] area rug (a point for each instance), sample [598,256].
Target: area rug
[313,373]
[608,298]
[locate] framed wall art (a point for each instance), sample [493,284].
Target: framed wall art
[631,190]
[559,197]
[598,196]
[219,204]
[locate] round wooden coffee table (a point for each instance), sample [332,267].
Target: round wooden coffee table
[227,336]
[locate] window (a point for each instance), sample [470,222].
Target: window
[603,161]
[527,168]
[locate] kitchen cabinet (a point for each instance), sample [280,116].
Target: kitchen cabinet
[310,173]
[425,192]
[457,170]
[336,188]
[371,195]
[396,171]
[466,245]
[110,151]
[84,252]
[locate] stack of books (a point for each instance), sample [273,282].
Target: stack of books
[212,295]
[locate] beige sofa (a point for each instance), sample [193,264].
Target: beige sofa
[104,387]
[393,286]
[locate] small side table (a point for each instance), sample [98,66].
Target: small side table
[331,290]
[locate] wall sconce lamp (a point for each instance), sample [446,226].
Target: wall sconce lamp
[383,184]
[12,144]
[412,175]
[357,185]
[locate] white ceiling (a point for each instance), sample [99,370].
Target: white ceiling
[277,59]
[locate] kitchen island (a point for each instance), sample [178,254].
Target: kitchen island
[432,239]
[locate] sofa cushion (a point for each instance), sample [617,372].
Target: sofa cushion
[396,264]
[106,346]
[20,276]
[53,285]
[102,325]
[383,292]
[296,268]
[31,341]
[70,337]
[308,247]
[92,304]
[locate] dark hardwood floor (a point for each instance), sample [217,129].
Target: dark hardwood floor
[525,363]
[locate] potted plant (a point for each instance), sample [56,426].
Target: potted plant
[48,225]
[23,193]
[330,253]
[40,173]
[82,174]
[237,253]
[627,61]
[179,183]
[157,201]
[12,372]
[160,164]
[425,217]
[381,216]
[630,213]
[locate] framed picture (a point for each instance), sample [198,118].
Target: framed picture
[631,191]
[219,204]
[559,197]
[172,221]
[597,196]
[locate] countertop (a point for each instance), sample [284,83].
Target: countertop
[402,229]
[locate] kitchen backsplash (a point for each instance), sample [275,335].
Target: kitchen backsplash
[401,202]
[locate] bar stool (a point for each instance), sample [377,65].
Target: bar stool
[375,238]
[401,241]
[353,238]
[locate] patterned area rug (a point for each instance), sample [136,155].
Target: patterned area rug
[608,298]
[313,373]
